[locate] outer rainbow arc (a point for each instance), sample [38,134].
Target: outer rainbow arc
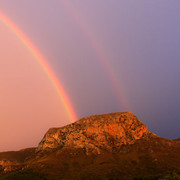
[100,53]
[42,61]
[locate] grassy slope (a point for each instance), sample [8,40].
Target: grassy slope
[18,156]
[152,156]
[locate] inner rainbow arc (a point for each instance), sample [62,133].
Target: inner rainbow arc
[43,63]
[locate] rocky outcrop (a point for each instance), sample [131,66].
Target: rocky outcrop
[8,166]
[96,133]
[13,160]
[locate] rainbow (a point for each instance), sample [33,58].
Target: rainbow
[99,51]
[43,63]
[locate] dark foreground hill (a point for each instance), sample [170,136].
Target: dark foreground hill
[110,146]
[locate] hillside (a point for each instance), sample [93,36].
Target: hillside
[110,146]
[177,139]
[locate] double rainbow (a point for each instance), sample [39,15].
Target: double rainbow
[43,62]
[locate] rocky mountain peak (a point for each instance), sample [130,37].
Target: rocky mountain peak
[96,133]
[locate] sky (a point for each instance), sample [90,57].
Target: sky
[109,56]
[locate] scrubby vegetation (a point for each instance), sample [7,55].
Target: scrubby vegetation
[23,175]
[31,175]
[170,176]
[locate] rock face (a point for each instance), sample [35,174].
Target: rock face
[96,133]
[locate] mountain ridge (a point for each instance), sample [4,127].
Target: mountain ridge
[114,145]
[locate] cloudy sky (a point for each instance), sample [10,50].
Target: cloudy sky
[109,56]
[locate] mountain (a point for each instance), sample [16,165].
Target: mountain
[96,133]
[109,146]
